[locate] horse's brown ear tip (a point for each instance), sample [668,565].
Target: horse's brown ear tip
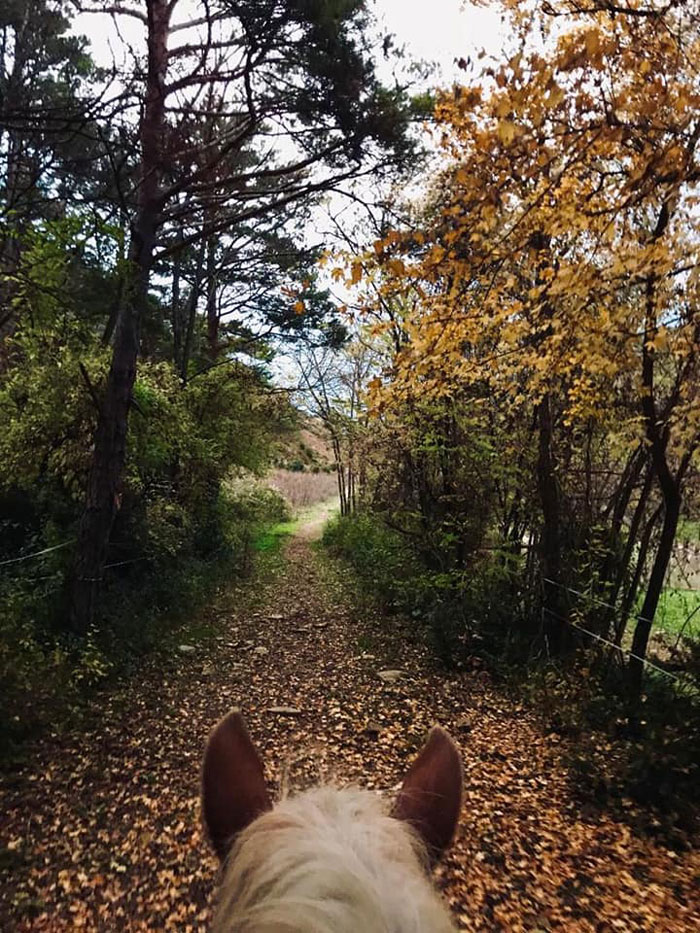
[234,715]
[218,734]
[439,734]
[443,743]
[440,737]
[229,721]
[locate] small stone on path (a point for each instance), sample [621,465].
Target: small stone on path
[186,649]
[373,728]
[284,710]
[391,676]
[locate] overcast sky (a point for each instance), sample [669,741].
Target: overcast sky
[442,30]
[438,31]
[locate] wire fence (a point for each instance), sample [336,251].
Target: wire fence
[46,550]
[566,621]
[57,547]
[611,644]
[594,599]
[624,652]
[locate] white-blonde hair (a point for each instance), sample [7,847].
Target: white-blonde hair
[329,861]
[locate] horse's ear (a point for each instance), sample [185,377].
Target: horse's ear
[233,783]
[431,796]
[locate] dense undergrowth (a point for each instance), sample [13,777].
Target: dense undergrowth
[456,608]
[636,758]
[149,599]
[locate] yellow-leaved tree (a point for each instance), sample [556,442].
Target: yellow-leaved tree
[557,269]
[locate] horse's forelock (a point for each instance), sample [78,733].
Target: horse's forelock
[329,860]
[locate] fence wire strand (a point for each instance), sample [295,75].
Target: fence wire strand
[46,550]
[595,599]
[606,641]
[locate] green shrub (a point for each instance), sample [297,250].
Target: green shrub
[43,672]
[182,523]
[453,606]
[380,556]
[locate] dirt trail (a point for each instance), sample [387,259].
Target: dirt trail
[311,527]
[101,831]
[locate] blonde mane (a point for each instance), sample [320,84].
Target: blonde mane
[329,860]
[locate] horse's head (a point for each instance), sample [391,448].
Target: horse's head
[327,859]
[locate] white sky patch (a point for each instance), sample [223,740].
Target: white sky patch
[442,31]
[439,31]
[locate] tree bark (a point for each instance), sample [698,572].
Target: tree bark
[191,316]
[340,473]
[212,310]
[176,313]
[550,540]
[633,587]
[621,566]
[655,586]
[670,485]
[14,147]
[109,454]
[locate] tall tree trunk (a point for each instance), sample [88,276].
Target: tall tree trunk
[554,604]
[10,243]
[191,316]
[350,441]
[362,479]
[621,566]
[657,434]
[633,587]
[212,310]
[176,312]
[109,454]
[655,586]
[340,473]
[15,180]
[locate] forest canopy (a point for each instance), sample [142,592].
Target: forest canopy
[359,393]
[538,397]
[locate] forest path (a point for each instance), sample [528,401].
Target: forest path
[101,830]
[310,528]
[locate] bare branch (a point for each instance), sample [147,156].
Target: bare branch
[181,51]
[111,9]
[202,21]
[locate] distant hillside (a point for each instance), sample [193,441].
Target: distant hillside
[306,450]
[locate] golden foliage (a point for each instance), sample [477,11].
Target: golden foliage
[564,248]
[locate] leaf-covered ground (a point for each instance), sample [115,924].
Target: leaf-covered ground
[101,831]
